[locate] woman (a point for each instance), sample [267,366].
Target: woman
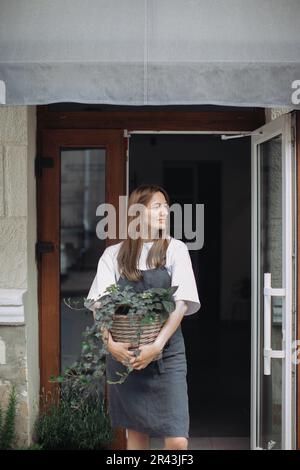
[153,400]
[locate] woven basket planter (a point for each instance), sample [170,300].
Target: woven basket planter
[129,330]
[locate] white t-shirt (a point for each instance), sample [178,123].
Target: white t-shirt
[178,265]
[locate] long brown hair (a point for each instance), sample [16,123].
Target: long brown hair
[130,250]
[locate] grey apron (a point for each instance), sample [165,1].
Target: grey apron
[153,400]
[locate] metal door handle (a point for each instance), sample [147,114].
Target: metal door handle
[268,351]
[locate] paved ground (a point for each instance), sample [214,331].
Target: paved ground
[209,443]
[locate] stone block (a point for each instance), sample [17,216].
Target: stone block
[15,186]
[13,241]
[13,124]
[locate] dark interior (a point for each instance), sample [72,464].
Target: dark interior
[217,173]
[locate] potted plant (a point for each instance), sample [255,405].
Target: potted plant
[130,316]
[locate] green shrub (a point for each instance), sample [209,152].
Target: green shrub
[7,422]
[73,422]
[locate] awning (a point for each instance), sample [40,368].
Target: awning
[151,52]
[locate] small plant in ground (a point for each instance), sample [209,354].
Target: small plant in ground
[7,422]
[71,421]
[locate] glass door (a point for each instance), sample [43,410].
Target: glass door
[273,285]
[82,189]
[79,169]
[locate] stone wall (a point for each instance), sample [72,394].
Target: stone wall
[19,364]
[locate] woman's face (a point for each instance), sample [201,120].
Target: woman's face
[156,213]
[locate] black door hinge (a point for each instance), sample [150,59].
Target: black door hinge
[41,163]
[42,247]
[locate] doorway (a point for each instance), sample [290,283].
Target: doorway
[184,163]
[206,169]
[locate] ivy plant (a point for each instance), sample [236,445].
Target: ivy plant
[142,308]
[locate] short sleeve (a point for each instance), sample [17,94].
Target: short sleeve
[104,277]
[182,274]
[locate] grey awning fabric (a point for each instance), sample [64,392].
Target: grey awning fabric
[150,52]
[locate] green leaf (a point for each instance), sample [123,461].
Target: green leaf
[173,289]
[169,306]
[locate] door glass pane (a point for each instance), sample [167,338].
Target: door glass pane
[270,261]
[82,190]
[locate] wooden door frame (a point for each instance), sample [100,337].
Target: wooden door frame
[246,119]
[49,266]
[167,119]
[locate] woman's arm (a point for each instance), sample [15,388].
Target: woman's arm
[171,324]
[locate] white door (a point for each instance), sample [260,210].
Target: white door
[273,285]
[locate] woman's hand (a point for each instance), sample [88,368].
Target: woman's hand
[120,350]
[147,354]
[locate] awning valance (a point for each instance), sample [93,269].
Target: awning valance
[151,52]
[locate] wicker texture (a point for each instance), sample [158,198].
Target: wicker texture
[126,330]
